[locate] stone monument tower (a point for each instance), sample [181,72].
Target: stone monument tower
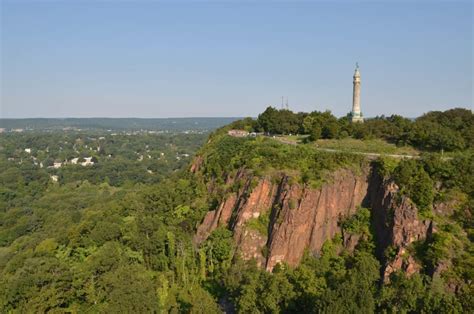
[356,115]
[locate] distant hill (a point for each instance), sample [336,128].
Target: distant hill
[161,124]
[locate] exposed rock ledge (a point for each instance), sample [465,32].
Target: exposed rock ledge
[300,217]
[396,224]
[303,218]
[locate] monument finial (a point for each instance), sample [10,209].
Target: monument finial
[357,65]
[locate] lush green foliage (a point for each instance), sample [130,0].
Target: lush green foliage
[430,181]
[113,237]
[225,154]
[280,121]
[260,223]
[321,125]
[415,183]
[118,157]
[358,223]
[81,245]
[431,178]
[334,283]
[451,130]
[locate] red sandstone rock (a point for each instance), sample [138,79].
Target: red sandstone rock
[308,217]
[304,218]
[196,164]
[301,217]
[216,218]
[350,241]
[397,225]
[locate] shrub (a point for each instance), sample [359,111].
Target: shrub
[260,223]
[359,223]
[415,183]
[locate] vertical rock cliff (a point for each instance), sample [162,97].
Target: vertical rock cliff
[396,223]
[300,217]
[304,218]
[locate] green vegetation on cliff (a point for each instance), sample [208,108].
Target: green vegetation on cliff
[337,283]
[452,130]
[225,154]
[115,238]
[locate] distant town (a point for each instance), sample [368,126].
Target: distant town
[122,125]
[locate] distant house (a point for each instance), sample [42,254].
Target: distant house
[57,165]
[238,133]
[88,161]
[28,150]
[74,161]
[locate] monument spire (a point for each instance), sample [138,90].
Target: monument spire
[356,115]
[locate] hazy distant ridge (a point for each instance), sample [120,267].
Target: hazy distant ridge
[172,124]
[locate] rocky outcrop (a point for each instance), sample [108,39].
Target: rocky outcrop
[305,218]
[301,218]
[406,228]
[237,210]
[397,226]
[446,208]
[216,218]
[250,241]
[196,164]
[350,240]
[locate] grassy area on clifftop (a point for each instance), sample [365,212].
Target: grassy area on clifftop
[377,146]
[352,145]
[224,154]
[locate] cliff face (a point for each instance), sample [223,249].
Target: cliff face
[299,217]
[306,217]
[396,223]
[236,210]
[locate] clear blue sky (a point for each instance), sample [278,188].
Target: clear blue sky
[168,59]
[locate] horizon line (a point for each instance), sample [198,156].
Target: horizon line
[194,117]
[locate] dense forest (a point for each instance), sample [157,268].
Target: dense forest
[117,235]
